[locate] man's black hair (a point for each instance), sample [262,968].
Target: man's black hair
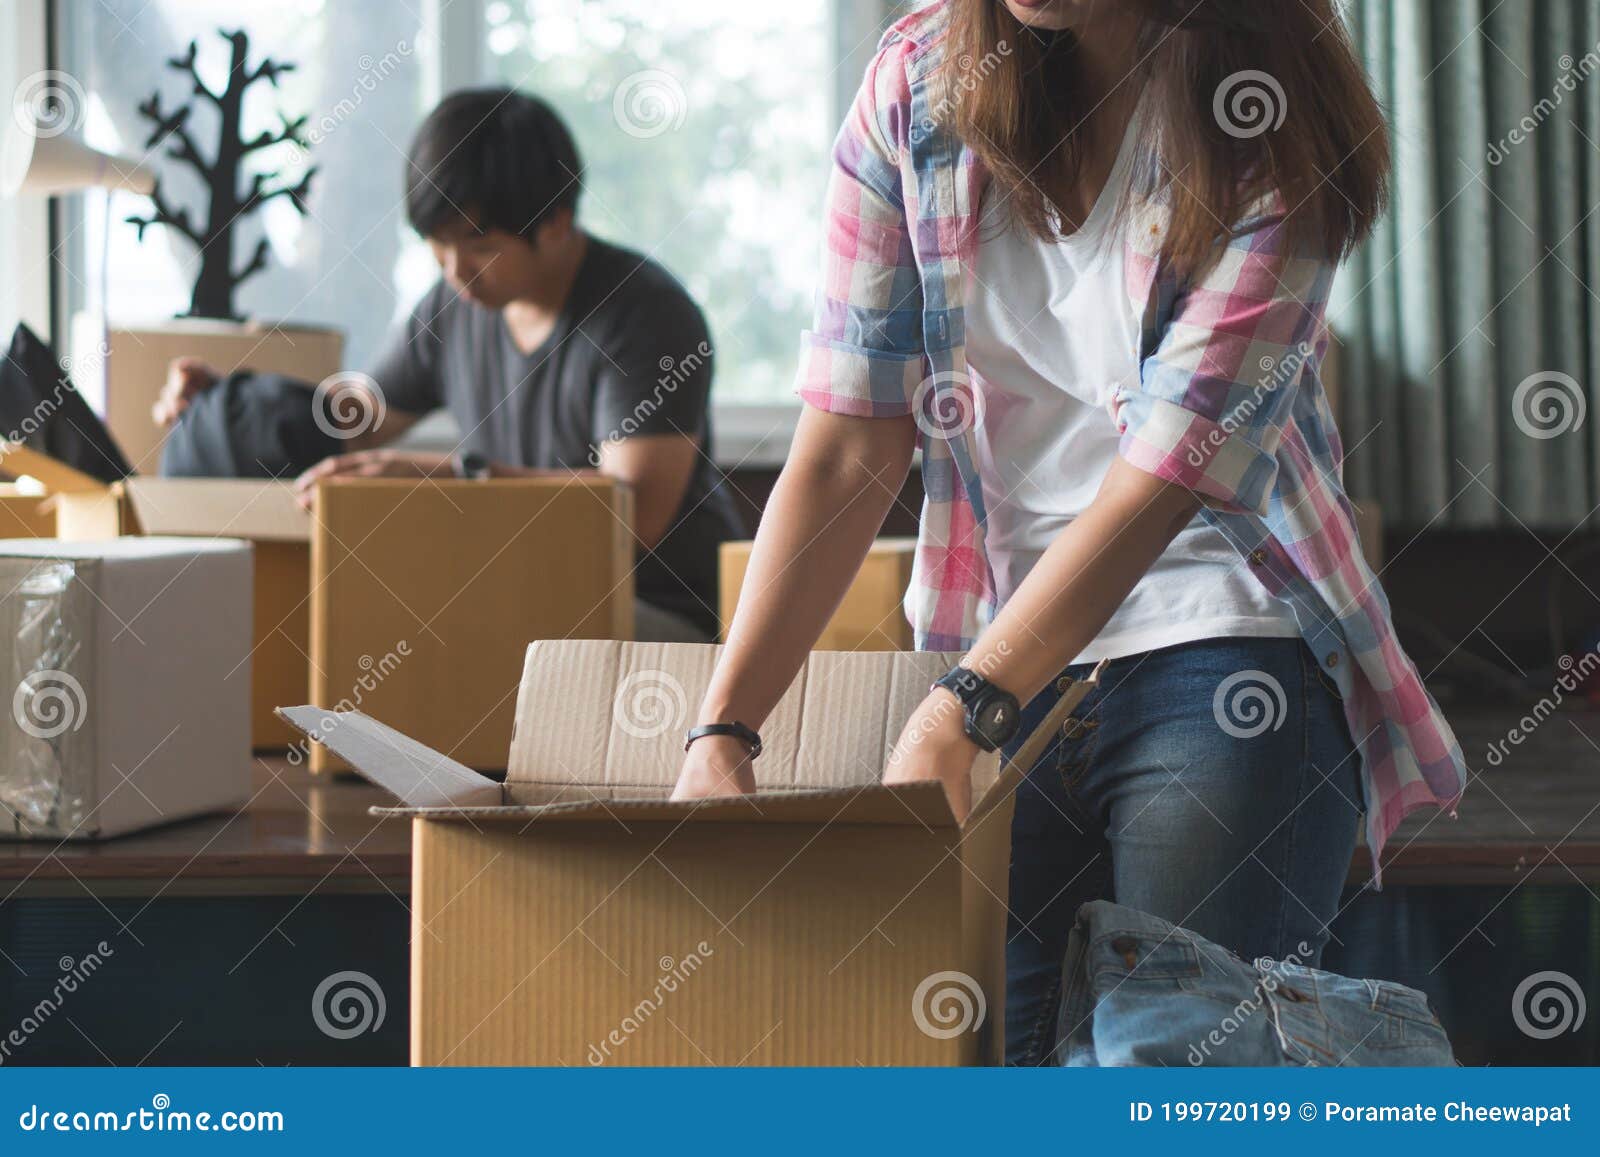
[500,158]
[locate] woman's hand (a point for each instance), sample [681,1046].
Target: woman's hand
[933,745]
[717,765]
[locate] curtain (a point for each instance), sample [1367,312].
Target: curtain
[1468,369]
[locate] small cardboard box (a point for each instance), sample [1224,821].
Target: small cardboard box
[871,617]
[25,514]
[574,915]
[119,655]
[121,370]
[425,595]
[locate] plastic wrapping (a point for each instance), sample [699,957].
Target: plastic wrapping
[44,770]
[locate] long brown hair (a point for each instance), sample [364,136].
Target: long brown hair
[1247,98]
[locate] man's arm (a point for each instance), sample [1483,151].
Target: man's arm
[658,468]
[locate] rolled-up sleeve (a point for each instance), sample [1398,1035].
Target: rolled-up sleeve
[1208,408]
[864,354]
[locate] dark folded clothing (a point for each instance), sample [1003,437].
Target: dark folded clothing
[42,409]
[250,425]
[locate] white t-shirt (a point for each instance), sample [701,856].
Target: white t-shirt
[1050,334]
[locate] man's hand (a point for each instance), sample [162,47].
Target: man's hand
[934,746]
[718,765]
[186,377]
[371,464]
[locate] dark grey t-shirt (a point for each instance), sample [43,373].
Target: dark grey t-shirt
[630,355]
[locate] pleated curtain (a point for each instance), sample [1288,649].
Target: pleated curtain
[1468,369]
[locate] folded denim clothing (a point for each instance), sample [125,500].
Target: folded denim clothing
[1140,991]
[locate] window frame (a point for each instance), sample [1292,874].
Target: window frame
[749,434]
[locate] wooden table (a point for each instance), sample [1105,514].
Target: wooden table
[1536,814]
[300,833]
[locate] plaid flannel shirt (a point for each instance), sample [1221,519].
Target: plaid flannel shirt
[1229,404]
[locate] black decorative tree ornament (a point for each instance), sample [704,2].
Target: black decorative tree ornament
[230,204]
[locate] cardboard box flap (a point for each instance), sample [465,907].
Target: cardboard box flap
[987,799]
[417,774]
[921,804]
[262,510]
[18,460]
[606,713]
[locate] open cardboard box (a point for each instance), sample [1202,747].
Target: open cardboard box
[25,513]
[263,512]
[575,915]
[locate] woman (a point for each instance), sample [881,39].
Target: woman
[1084,249]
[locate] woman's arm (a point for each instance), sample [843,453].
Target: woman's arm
[840,479]
[1068,596]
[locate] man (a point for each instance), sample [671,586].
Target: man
[551,349]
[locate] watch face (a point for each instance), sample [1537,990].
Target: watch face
[997,719]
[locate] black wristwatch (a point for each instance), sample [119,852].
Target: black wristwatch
[470,465]
[992,714]
[746,735]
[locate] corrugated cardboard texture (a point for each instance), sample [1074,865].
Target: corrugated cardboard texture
[673,944]
[418,775]
[264,512]
[622,710]
[869,619]
[591,921]
[465,575]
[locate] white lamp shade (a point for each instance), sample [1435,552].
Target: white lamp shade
[47,164]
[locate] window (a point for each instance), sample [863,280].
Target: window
[705,130]
[364,75]
[705,126]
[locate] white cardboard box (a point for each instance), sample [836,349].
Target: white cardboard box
[120,711]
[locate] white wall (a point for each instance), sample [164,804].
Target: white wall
[24,250]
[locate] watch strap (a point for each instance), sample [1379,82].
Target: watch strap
[739,731]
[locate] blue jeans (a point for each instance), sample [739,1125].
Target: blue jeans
[1140,992]
[1213,784]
